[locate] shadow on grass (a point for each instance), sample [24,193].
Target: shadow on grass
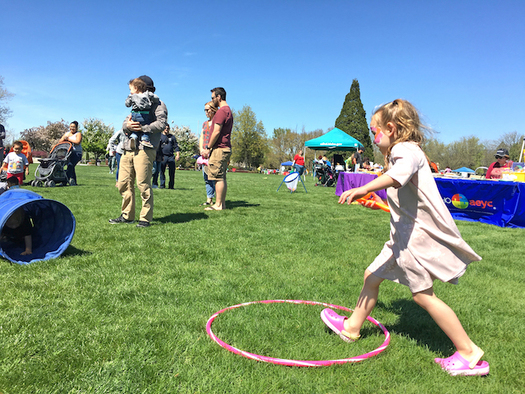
[72,251]
[238,204]
[182,217]
[415,323]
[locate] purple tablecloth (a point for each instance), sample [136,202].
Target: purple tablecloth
[349,180]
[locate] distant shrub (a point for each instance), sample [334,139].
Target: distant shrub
[40,154]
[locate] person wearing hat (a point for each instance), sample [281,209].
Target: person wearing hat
[136,163]
[502,163]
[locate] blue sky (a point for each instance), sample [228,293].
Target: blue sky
[462,63]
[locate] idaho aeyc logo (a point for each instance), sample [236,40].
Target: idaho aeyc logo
[459,201]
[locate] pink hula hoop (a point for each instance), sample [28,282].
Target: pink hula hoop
[296,363]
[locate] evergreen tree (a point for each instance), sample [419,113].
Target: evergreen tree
[352,119]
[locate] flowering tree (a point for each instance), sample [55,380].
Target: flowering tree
[5,95]
[43,138]
[95,137]
[188,144]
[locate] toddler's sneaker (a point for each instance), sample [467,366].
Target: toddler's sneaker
[147,144]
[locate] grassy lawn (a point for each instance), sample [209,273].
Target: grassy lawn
[124,309]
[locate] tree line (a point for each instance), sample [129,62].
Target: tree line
[252,147]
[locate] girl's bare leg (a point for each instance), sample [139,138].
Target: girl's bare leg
[365,303]
[447,320]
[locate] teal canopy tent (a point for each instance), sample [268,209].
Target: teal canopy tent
[336,140]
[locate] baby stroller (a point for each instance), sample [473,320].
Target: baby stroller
[324,174]
[50,172]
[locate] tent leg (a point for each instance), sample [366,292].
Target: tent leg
[522,147]
[303,185]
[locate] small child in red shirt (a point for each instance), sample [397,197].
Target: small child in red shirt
[15,163]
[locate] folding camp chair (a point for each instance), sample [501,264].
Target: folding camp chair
[291,181]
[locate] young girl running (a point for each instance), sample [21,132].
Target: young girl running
[424,244]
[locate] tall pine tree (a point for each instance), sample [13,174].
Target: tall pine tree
[352,119]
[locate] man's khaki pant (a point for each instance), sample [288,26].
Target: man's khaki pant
[136,165]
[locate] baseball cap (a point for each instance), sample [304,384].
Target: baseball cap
[148,81]
[502,152]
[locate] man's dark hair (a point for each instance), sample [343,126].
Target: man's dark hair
[219,92]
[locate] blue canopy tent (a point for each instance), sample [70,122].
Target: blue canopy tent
[464,169]
[465,172]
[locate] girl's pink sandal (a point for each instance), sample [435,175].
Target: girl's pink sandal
[337,324]
[457,365]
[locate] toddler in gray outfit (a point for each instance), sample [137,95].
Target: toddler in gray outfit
[140,100]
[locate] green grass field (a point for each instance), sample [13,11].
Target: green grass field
[124,309]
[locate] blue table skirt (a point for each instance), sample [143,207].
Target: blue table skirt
[499,203]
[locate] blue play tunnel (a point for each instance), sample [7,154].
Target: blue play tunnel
[53,226]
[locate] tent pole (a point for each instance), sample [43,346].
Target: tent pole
[304,172]
[521,152]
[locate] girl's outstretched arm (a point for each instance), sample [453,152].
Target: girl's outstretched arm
[380,183]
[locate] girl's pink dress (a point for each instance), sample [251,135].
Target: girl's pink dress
[425,243]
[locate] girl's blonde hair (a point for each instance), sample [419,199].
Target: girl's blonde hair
[406,118]
[212,107]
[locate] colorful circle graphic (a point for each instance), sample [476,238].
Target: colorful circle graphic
[459,201]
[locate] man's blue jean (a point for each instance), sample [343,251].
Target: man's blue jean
[170,164]
[299,169]
[117,156]
[156,170]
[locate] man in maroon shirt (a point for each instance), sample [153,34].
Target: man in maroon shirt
[219,148]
